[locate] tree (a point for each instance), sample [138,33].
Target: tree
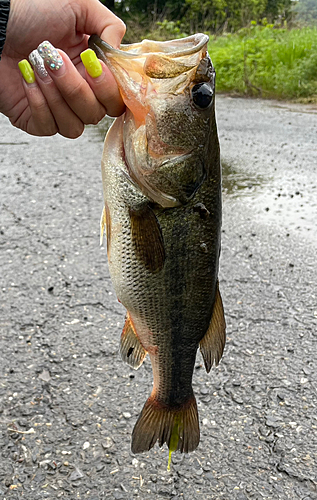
[192,16]
[306,11]
[229,15]
[109,3]
[279,9]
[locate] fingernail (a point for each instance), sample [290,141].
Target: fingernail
[91,63]
[38,64]
[27,71]
[50,56]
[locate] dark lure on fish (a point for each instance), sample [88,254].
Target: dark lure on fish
[162,189]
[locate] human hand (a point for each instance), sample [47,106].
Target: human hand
[67,99]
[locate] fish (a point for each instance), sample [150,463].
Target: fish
[161,175]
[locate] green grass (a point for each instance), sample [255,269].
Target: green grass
[267,61]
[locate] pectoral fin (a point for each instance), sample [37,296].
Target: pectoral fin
[105,222]
[132,352]
[213,343]
[147,238]
[102,225]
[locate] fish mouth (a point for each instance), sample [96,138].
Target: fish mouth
[180,47]
[159,66]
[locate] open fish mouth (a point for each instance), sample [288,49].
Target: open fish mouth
[141,67]
[155,80]
[174,49]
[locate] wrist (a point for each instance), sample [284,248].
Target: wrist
[4,17]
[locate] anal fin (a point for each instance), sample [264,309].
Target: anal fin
[213,343]
[131,350]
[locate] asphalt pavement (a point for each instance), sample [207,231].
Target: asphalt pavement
[68,403]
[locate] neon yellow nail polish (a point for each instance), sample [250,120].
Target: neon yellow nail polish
[27,71]
[91,63]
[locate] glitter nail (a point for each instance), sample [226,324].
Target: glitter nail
[38,64]
[50,55]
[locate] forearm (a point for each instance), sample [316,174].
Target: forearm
[4,16]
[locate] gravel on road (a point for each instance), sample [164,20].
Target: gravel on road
[68,403]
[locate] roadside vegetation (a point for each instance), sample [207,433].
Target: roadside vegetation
[267,61]
[264,48]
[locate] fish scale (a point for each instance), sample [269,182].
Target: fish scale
[163,220]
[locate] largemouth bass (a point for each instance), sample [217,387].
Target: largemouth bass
[162,190]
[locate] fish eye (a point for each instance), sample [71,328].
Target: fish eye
[202,95]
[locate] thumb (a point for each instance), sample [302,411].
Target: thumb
[95,18]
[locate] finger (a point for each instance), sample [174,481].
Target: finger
[102,83]
[72,86]
[39,119]
[95,18]
[69,125]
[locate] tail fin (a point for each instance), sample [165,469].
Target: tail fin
[178,428]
